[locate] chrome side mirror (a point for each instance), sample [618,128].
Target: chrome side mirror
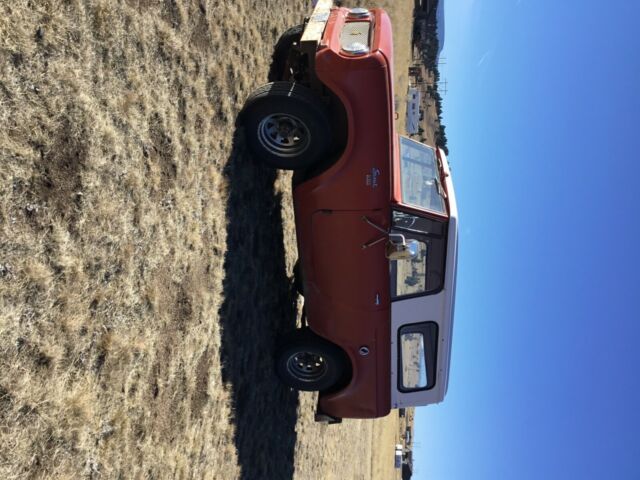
[399,248]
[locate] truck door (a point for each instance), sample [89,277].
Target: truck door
[349,274]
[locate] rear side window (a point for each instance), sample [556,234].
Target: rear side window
[417,356]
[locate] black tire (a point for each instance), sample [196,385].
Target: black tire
[286,126]
[281,51]
[309,363]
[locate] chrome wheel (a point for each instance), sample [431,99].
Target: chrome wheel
[306,366]
[287,126]
[308,362]
[283,135]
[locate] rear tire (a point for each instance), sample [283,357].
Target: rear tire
[310,363]
[287,126]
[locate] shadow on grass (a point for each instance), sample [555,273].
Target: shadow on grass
[259,305]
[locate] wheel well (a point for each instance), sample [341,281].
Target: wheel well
[340,133]
[302,72]
[347,375]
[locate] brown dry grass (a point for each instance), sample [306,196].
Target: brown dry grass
[145,261]
[401,13]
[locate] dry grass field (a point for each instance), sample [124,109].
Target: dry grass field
[145,259]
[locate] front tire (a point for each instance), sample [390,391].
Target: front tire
[287,126]
[310,363]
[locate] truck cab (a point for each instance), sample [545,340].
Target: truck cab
[376,220]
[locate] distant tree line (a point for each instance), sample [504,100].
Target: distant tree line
[425,37]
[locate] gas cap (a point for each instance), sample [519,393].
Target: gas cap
[359,13]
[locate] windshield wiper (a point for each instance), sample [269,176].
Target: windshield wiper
[441,191]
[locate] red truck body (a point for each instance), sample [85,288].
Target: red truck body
[383,303]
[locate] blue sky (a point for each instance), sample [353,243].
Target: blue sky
[542,122]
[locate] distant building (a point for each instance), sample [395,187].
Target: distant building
[413,111]
[398,460]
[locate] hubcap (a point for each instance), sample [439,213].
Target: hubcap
[306,366]
[283,135]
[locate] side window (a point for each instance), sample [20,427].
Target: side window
[423,274]
[417,356]
[411,273]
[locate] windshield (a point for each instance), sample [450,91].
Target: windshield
[420,177]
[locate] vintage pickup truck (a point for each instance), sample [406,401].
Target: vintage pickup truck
[376,220]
